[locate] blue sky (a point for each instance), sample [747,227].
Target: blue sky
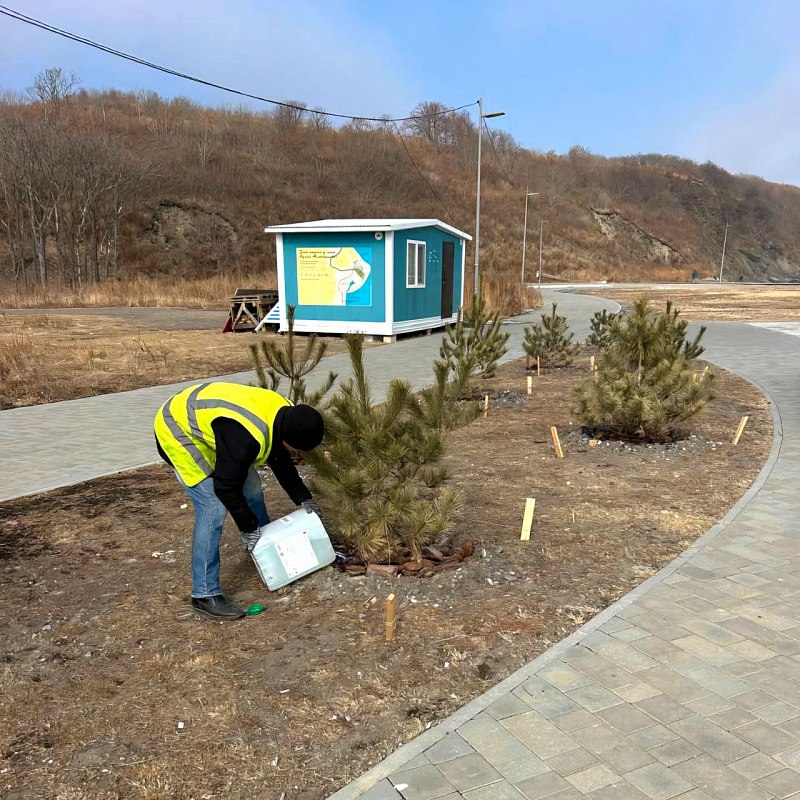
[707,80]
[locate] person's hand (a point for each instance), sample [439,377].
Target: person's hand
[250,539]
[311,507]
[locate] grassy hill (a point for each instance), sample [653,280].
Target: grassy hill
[109,185]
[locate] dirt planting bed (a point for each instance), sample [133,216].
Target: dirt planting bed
[100,662]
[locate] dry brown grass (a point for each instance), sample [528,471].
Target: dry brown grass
[627,273]
[16,352]
[713,302]
[45,358]
[210,292]
[503,295]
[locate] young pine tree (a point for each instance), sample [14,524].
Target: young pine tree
[274,360]
[550,340]
[646,383]
[379,473]
[598,328]
[442,405]
[475,343]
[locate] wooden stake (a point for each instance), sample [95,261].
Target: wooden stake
[591,364]
[556,442]
[537,366]
[527,362]
[327,454]
[486,405]
[527,519]
[530,385]
[391,616]
[740,430]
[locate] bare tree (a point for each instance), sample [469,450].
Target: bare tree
[206,147]
[290,117]
[429,122]
[319,120]
[52,87]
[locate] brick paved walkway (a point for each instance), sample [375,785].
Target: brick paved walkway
[688,687]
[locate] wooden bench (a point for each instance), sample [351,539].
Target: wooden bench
[248,308]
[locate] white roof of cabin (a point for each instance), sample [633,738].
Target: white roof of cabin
[350,225]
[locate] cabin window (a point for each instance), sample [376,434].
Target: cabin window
[415,265]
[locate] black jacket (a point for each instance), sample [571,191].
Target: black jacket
[236,451]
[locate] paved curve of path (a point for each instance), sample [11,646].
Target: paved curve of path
[686,688]
[59,444]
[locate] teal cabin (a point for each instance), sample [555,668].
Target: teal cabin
[379,277]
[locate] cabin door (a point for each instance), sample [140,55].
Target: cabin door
[448,257]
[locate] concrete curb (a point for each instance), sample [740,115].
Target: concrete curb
[393,762]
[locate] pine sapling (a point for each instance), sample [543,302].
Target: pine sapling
[442,404]
[379,475]
[274,360]
[598,327]
[646,383]
[550,340]
[475,343]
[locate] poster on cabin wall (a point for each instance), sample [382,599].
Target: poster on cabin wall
[334,276]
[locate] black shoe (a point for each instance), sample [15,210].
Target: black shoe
[217,607]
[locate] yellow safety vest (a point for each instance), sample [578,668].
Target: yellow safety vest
[183,424]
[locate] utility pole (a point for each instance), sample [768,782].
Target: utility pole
[541,235]
[481,118]
[525,233]
[724,242]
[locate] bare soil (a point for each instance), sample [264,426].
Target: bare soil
[100,661]
[712,302]
[50,357]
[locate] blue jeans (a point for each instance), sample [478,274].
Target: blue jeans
[209,517]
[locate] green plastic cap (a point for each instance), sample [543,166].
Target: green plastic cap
[254,609]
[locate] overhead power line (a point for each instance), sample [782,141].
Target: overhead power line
[497,157]
[20,17]
[422,174]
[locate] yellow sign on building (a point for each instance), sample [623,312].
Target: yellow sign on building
[334,276]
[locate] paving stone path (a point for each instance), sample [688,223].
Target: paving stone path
[686,688]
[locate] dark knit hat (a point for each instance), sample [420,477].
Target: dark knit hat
[303,427]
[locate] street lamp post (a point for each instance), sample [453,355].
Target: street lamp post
[481,118]
[541,235]
[525,233]
[724,242]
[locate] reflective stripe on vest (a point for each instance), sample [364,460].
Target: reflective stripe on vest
[183,424]
[184,441]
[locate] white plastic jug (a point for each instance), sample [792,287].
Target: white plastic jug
[291,547]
